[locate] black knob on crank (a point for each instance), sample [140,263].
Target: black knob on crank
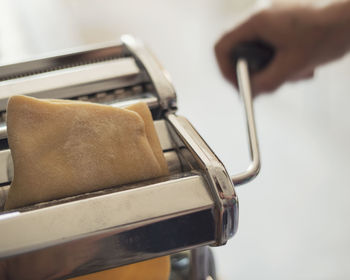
[258,54]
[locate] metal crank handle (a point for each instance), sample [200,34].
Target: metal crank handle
[250,57]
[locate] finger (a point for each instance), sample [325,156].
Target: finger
[304,75]
[276,73]
[225,46]
[309,75]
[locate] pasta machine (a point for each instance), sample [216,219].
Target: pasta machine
[178,215]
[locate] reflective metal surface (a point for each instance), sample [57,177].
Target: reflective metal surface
[158,75]
[220,184]
[63,59]
[89,73]
[6,167]
[202,264]
[197,263]
[69,75]
[246,93]
[65,222]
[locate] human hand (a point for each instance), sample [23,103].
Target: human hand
[303,38]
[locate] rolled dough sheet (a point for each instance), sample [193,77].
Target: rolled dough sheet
[62,148]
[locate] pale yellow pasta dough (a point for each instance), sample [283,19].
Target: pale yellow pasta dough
[155,269]
[63,148]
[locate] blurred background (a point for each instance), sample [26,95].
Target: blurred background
[294,217]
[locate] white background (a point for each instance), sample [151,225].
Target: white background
[294,217]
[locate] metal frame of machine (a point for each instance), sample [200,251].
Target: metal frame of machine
[195,205]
